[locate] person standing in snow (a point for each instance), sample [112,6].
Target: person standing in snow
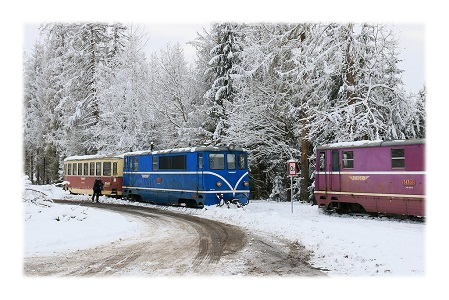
[98,186]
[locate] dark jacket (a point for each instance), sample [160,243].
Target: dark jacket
[98,184]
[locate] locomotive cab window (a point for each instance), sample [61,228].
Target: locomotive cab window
[231,161]
[322,161]
[242,161]
[216,161]
[348,159]
[397,158]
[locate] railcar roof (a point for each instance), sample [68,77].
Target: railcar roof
[377,143]
[187,149]
[93,157]
[143,152]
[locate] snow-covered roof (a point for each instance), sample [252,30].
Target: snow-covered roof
[95,156]
[376,143]
[186,149]
[146,152]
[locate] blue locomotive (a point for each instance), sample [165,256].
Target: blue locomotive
[194,176]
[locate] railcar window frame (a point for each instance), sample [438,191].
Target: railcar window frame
[136,164]
[98,168]
[178,162]
[335,160]
[216,161]
[348,159]
[242,161]
[85,169]
[200,160]
[322,156]
[397,158]
[92,168]
[230,161]
[155,163]
[173,162]
[107,168]
[114,169]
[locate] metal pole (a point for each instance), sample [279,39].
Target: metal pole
[291,187]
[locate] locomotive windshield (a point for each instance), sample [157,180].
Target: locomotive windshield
[242,161]
[216,161]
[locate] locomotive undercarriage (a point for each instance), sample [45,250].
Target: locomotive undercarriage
[345,207]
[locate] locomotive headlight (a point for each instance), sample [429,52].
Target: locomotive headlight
[245,183]
[218,183]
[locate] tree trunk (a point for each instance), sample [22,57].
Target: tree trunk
[304,165]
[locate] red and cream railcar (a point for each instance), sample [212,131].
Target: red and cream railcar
[80,173]
[372,176]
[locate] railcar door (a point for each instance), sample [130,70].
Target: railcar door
[335,174]
[200,176]
[323,177]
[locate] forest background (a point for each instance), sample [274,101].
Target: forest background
[276,89]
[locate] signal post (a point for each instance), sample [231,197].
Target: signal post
[291,169]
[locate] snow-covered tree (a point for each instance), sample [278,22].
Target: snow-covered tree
[126,120]
[277,89]
[369,101]
[172,96]
[224,56]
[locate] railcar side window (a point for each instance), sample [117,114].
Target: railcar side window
[164,163]
[231,161]
[92,169]
[348,159]
[173,162]
[98,169]
[242,161]
[397,158]
[178,162]
[69,169]
[80,169]
[74,169]
[322,161]
[107,169]
[125,163]
[114,169]
[86,169]
[216,161]
[200,160]
[335,160]
[155,163]
[136,164]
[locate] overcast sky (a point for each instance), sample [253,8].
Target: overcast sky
[413,37]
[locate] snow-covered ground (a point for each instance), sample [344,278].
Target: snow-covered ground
[344,245]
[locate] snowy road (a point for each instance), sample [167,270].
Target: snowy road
[177,247]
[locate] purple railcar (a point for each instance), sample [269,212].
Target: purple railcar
[372,176]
